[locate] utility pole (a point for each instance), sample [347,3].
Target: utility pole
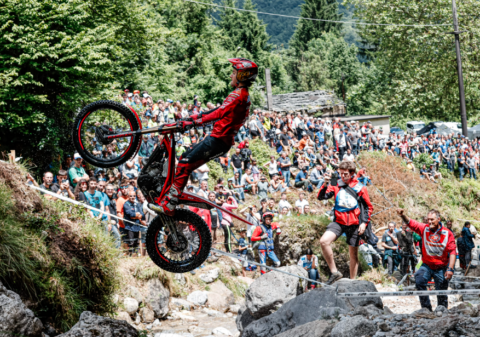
[268,83]
[456,32]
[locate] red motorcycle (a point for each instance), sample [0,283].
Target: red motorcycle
[107,134]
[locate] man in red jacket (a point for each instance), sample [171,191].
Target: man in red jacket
[438,255]
[228,119]
[352,215]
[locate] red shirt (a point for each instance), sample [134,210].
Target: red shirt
[258,231]
[204,214]
[436,246]
[229,117]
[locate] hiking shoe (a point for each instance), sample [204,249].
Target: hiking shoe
[334,277]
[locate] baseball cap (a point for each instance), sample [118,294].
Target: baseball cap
[130,94]
[230,179]
[77,156]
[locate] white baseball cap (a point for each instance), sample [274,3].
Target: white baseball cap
[77,156]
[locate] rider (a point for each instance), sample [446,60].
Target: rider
[264,234]
[228,118]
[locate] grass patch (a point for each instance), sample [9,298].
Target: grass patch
[63,265]
[236,287]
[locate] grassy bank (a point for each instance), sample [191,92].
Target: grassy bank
[53,254]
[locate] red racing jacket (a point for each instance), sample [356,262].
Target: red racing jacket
[436,246]
[349,210]
[229,117]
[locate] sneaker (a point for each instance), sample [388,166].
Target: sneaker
[334,277]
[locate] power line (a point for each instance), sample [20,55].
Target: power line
[311,19]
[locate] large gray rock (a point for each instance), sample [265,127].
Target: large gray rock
[274,289]
[220,297]
[158,297]
[15,318]
[198,297]
[244,318]
[320,328]
[314,305]
[91,325]
[354,326]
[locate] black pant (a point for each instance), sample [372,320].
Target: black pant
[404,264]
[468,257]
[132,240]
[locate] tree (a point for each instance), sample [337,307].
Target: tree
[419,63]
[244,29]
[308,29]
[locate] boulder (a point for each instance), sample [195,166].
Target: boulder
[92,325]
[220,297]
[233,308]
[158,297]
[244,318]
[318,328]
[182,304]
[274,289]
[354,326]
[210,276]
[147,315]
[466,309]
[15,317]
[131,305]
[198,297]
[317,304]
[368,311]
[124,316]
[133,292]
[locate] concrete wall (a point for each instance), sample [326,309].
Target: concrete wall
[311,102]
[383,122]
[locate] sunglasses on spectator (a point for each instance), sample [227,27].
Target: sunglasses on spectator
[124,186]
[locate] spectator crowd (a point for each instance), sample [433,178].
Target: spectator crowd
[306,149]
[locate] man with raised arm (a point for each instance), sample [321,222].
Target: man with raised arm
[438,255]
[228,119]
[352,215]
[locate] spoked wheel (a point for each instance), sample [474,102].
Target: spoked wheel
[184,250]
[95,123]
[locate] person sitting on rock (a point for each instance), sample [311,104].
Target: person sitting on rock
[263,234]
[351,215]
[438,255]
[309,262]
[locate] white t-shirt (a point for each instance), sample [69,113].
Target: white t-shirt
[284,203]
[301,204]
[202,176]
[243,181]
[272,168]
[349,157]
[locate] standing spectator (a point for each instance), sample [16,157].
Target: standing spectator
[215,216]
[95,199]
[253,217]
[469,244]
[62,185]
[112,208]
[243,246]
[471,164]
[133,212]
[301,203]
[47,184]
[246,154]
[237,162]
[227,222]
[407,249]
[309,262]
[285,165]
[264,235]
[462,251]
[79,191]
[352,214]
[122,198]
[438,255]
[461,165]
[389,242]
[77,172]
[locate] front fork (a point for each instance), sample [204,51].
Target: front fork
[168,223]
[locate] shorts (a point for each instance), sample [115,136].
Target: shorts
[244,263]
[353,239]
[254,133]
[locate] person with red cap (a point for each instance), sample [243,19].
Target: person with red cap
[227,119]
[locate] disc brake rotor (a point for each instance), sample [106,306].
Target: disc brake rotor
[177,247]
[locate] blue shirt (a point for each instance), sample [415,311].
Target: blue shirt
[94,200]
[300,175]
[129,211]
[242,243]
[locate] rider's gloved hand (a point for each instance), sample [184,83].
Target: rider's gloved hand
[197,119]
[184,125]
